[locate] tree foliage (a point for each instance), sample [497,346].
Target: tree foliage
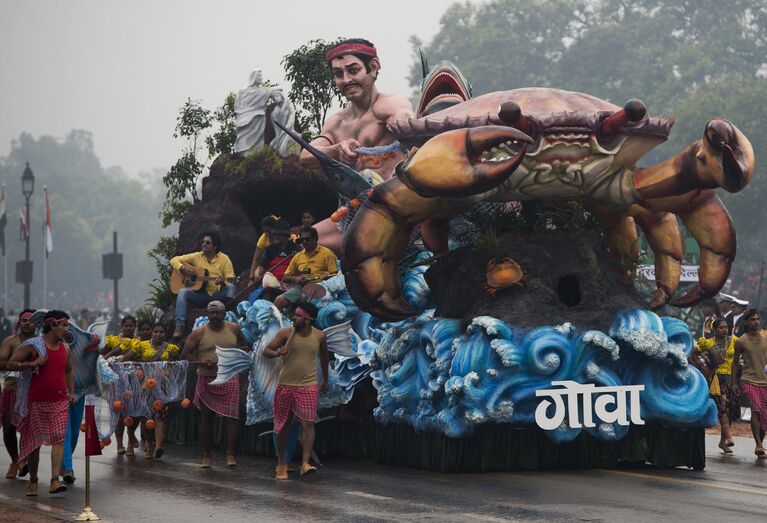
[88,202]
[312,90]
[693,59]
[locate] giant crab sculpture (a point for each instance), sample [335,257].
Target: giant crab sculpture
[548,144]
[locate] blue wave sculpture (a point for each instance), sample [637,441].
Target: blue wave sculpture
[435,376]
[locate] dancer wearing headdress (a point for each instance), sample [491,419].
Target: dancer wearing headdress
[45,394]
[24,330]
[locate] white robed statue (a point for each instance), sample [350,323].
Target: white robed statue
[250,116]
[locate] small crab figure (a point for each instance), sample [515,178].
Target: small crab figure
[503,273]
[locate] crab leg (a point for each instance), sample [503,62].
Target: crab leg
[443,178]
[662,233]
[621,234]
[708,221]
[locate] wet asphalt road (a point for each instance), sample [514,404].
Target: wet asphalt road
[731,488]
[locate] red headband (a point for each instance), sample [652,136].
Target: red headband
[23,316]
[301,312]
[363,49]
[56,321]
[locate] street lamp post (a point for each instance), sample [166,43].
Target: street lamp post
[27,188]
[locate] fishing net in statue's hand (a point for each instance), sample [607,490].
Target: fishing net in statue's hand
[139,391]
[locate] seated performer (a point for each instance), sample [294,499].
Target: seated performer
[121,346]
[24,330]
[276,257]
[307,220]
[219,267]
[297,392]
[354,65]
[156,349]
[314,264]
[224,399]
[51,390]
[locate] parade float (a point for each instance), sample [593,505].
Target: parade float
[487,310]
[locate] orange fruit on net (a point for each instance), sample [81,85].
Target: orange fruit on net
[83,427]
[355,202]
[151,383]
[158,405]
[335,217]
[117,405]
[185,403]
[150,424]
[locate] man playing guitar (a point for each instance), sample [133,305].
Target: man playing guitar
[220,270]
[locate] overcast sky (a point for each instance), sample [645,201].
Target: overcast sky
[122,69]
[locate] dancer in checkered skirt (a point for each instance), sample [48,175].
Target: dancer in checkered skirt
[51,390]
[224,400]
[24,330]
[297,390]
[753,380]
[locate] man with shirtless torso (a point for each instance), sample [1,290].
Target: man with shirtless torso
[752,347]
[357,134]
[24,330]
[224,400]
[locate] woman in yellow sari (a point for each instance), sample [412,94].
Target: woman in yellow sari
[157,349]
[122,346]
[720,351]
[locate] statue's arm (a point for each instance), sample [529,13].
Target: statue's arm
[395,108]
[326,142]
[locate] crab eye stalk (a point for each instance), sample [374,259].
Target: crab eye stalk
[633,111]
[511,113]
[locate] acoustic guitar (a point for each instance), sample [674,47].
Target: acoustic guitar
[194,282]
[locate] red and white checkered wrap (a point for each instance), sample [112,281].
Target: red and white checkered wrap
[44,424]
[756,395]
[7,402]
[302,401]
[222,399]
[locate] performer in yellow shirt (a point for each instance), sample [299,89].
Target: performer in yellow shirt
[220,269]
[314,264]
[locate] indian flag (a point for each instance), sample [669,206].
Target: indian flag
[3,220]
[48,225]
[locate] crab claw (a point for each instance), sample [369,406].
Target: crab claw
[464,162]
[442,179]
[725,143]
[723,158]
[374,243]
